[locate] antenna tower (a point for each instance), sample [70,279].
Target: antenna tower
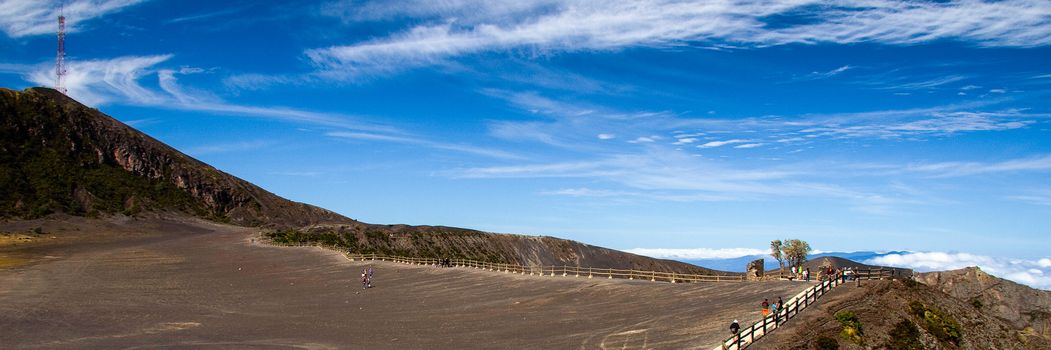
[60,58]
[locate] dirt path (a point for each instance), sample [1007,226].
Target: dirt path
[190,288]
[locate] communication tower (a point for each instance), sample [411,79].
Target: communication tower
[60,58]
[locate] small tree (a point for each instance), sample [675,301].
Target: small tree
[795,251]
[775,251]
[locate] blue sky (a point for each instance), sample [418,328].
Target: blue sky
[693,129]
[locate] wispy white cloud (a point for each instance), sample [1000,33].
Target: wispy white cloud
[685,140]
[667,175]
[19,18]
[661,171]
[828,74]
[633,196]
[254,81]
[16,68]
[229,147]
[1034,273]
[645,139]
[606,136]
[204,16]
[566,26]
[936,124]
[119,79]
[714,144]
[96,82]
[1035,197]
[696,253]
[952,169]
[924,84]
[424,142]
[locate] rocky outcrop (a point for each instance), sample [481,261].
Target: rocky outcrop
[1026,309]
[61,156]
[755,270]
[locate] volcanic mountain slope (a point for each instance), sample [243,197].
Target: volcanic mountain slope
[906,314]
[1025,309]
[59,156]
[458,243]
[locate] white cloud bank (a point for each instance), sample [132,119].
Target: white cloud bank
[458,28]
[19,18]
[696,253]
[1034,273]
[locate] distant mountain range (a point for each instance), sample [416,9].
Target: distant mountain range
[738,264]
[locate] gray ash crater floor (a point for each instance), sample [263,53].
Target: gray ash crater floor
[201,285]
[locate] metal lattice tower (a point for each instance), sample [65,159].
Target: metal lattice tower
[60,58]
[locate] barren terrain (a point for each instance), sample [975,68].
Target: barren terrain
[185,283]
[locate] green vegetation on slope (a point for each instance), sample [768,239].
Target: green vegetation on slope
[852,330]
[940,324]
[44,169]
[904,336]
[423,242]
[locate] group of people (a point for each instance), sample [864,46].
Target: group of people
[846,274]
[366,278]
[800,272]
[772,309]
[776,308]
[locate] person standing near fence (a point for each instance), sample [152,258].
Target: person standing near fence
[780,306]
[735,328]
[766,307]
[773,310]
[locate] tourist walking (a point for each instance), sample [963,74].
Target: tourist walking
[370,277]
[364,278]
[806,274]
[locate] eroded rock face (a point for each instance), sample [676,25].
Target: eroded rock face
[1024,308]
[87,150]
[756,270]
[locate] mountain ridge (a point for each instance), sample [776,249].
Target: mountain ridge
[59,156]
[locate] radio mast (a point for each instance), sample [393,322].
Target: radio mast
[60,58]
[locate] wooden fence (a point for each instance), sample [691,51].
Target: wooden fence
[793,306]
[535,270]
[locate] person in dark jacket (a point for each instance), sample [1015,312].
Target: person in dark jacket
[734,329]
